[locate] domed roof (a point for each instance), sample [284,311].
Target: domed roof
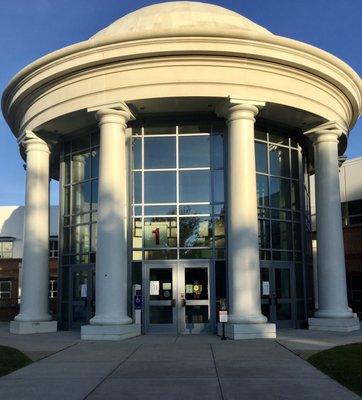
[180,17]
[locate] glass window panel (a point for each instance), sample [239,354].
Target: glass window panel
[299,285]
[160,232]
[219,231]
[297,237]
[80,239]
[196,284]
[261,157]
[137,187]
[219,209]
[197,314]
[67,200]
[279,139]
[218,186]
[279,160]
[66,170]
[95,139]
[264,255]
[160,210]
[219,254]
[279,192]
[160,187]
[5,286]
[160,152]
[194,186]
[95,163]
[284,311]
[263,213]
[278,214]
[81,167]
[137,233]
[295,195]
[160,254]
[81,218]
[67,147]
[264,234]
[196,253]
[189,209]
[161,315]
[194,151]
[94,194]
[184,129]
[282,235]
[300,310]
[282,283]
[355,207]
[81,143]
[66,240]
[217,152]
[195,232]
[94,237]
[295,164]
[137,153]
[160,130]
[81,200]
[137,210]
[262,190]
[164,277]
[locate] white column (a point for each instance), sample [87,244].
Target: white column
[111,320]
[333,312]
[245,317]
[34,316]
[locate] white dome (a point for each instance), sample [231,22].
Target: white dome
[180,17]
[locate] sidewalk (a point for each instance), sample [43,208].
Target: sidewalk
[168,367]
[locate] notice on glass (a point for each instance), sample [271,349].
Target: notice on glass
[154,288]
[83,290]
[189,289]
[166,286]
[265,288]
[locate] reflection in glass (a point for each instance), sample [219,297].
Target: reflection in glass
[81,198]
[264,234]
[295,164]
[279,139]
[196,284]
[137,153]
[262,190]
[261,157]
[160,232]
[164,278]
[160,152]
[94,194]
[160,210]
[95,163]
[196,253]
[279,160]
[217,148]
[160,187]
[195,232]
[94,238]
[81,167]
[295,195]
[160,254]
[137,233]
[218,186]
[282,235]
[279,192]
[80,239]
[194,151]
[282,283]
[137,187]
[197,314]
[161,315]
[189,209]
[194,186]
[219,231]
[284,311]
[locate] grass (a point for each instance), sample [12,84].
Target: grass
[11,360]
[342,363]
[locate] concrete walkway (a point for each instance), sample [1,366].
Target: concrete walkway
[166,367]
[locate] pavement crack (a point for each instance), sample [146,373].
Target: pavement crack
[111,372]
[217,372]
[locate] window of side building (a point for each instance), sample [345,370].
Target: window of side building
[6,248]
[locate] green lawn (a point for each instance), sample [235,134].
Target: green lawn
[11,360]
[342,363]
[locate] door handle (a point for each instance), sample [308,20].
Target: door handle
[183,303]
[173,302]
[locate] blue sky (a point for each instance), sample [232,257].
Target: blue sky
[32,28]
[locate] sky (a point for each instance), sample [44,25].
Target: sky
[30,29]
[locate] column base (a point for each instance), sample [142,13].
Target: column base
[110,332]
[248,331]
[334,324]
[28,327]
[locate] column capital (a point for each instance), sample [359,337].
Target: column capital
[31,141]
[234,108]
[329,131]
[118,113]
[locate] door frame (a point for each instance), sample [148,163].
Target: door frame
[178,268]
[89,302]
[272,266]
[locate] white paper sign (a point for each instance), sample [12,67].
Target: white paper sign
[154,288]
[83,290]
[265,288]
[223,316]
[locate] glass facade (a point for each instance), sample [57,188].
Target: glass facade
[177,208]
[178,192]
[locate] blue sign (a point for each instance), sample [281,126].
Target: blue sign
[137,301]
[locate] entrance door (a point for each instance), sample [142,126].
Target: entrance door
[177,298]
[82,296]
[277,294]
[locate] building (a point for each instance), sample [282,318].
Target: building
[183,136]
[11,253]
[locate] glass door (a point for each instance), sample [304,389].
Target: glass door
[82,292]
[277,294]
[194,304]
[160,295]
